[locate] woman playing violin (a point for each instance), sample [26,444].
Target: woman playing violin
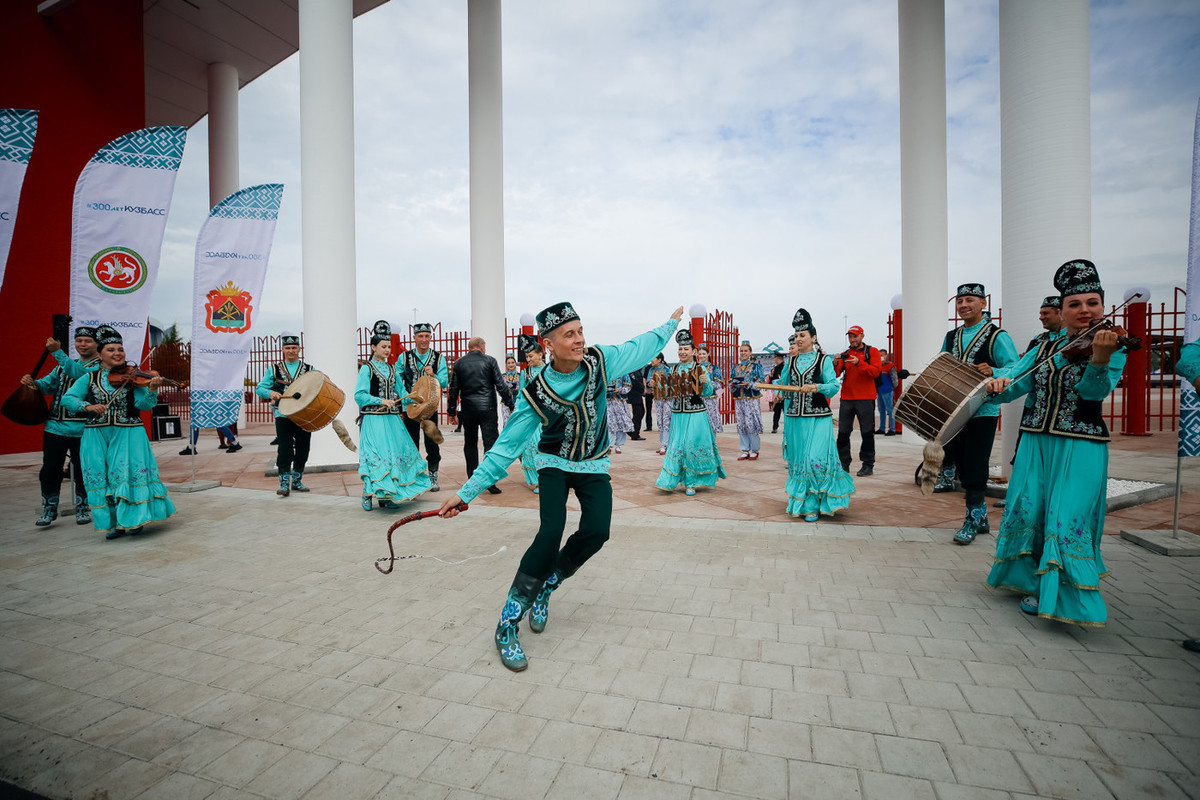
[119,471]
[1048,548]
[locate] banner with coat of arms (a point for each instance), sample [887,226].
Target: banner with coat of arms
[231,267]
[117,224]
[18,127]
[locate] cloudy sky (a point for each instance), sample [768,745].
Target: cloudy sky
[744,155]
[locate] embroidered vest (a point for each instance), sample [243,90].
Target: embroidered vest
[690,404]
[413,368]
[613,391]
[976,351]
[282,379]
[57,410]
[383,384]
[122,413]
[810,405]
[746,376]
[575,431]
[1056,406]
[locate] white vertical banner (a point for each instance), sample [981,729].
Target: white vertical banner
[117,224]
[18,127]
[1189,404]
[231,267]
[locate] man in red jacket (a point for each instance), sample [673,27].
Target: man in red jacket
[858,367]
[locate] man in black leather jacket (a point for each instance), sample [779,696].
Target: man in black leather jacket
[475,380]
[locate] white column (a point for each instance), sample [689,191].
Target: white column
[1045,161]
[223,159]
[222,132]
[487,173]
[327,207]
[923,236]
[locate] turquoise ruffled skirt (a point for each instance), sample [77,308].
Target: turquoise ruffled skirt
[389,463]
[1049,540]
[692,458]
[816,482]
[121,477]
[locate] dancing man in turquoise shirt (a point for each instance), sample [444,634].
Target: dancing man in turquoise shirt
[566,406]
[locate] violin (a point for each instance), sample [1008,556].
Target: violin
[1080,345]
[130,375]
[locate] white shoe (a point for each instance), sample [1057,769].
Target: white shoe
[616,450]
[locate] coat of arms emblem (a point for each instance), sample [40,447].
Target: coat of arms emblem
[228,309]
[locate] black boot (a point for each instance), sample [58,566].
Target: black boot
[49,511]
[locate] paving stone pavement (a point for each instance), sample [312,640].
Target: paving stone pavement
[248,648]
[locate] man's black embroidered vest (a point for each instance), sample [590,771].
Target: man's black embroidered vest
[809,405]
[57,410]
[976,351]
[282,379]
[413,368]
[122,413]
[575,431]
[691,404]
[383,384]
[1055,407]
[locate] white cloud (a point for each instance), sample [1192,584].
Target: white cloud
[743,155]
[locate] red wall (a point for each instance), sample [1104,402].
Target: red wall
[82,69]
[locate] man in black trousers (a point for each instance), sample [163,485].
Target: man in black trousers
[637,388]
[475,380]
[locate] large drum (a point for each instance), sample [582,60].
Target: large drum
[943,397]
[312,401]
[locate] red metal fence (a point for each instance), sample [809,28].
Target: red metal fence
[721,336]
[1147,399]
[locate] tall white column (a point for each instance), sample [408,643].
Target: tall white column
[223,159]
[1045,161]
[487,173]
[222,132]
[923,227]
[327,206]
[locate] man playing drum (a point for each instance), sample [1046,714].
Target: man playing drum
[293,440]
[566,406]
[424,360]
[977,341]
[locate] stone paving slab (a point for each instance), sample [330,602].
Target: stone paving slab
[248,648]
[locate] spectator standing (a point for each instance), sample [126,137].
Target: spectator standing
[858,366]
[889,379]
[475,380]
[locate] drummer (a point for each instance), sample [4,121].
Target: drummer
[423,360]
[980,342]
[293,441]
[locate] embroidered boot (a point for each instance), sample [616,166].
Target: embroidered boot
[433,484]
[540,612]
[285,484]
[49,511]
[975,523]
[297,486]
[508,642]
[945,481]
[83,513]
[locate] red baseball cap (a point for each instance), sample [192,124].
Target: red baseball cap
[854,329]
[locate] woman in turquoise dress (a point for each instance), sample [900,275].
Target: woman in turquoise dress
[119,470]
[711,403]
[816,482]
[692,458]
[534,355]
[1048,547]
[389,464]
[512,377]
